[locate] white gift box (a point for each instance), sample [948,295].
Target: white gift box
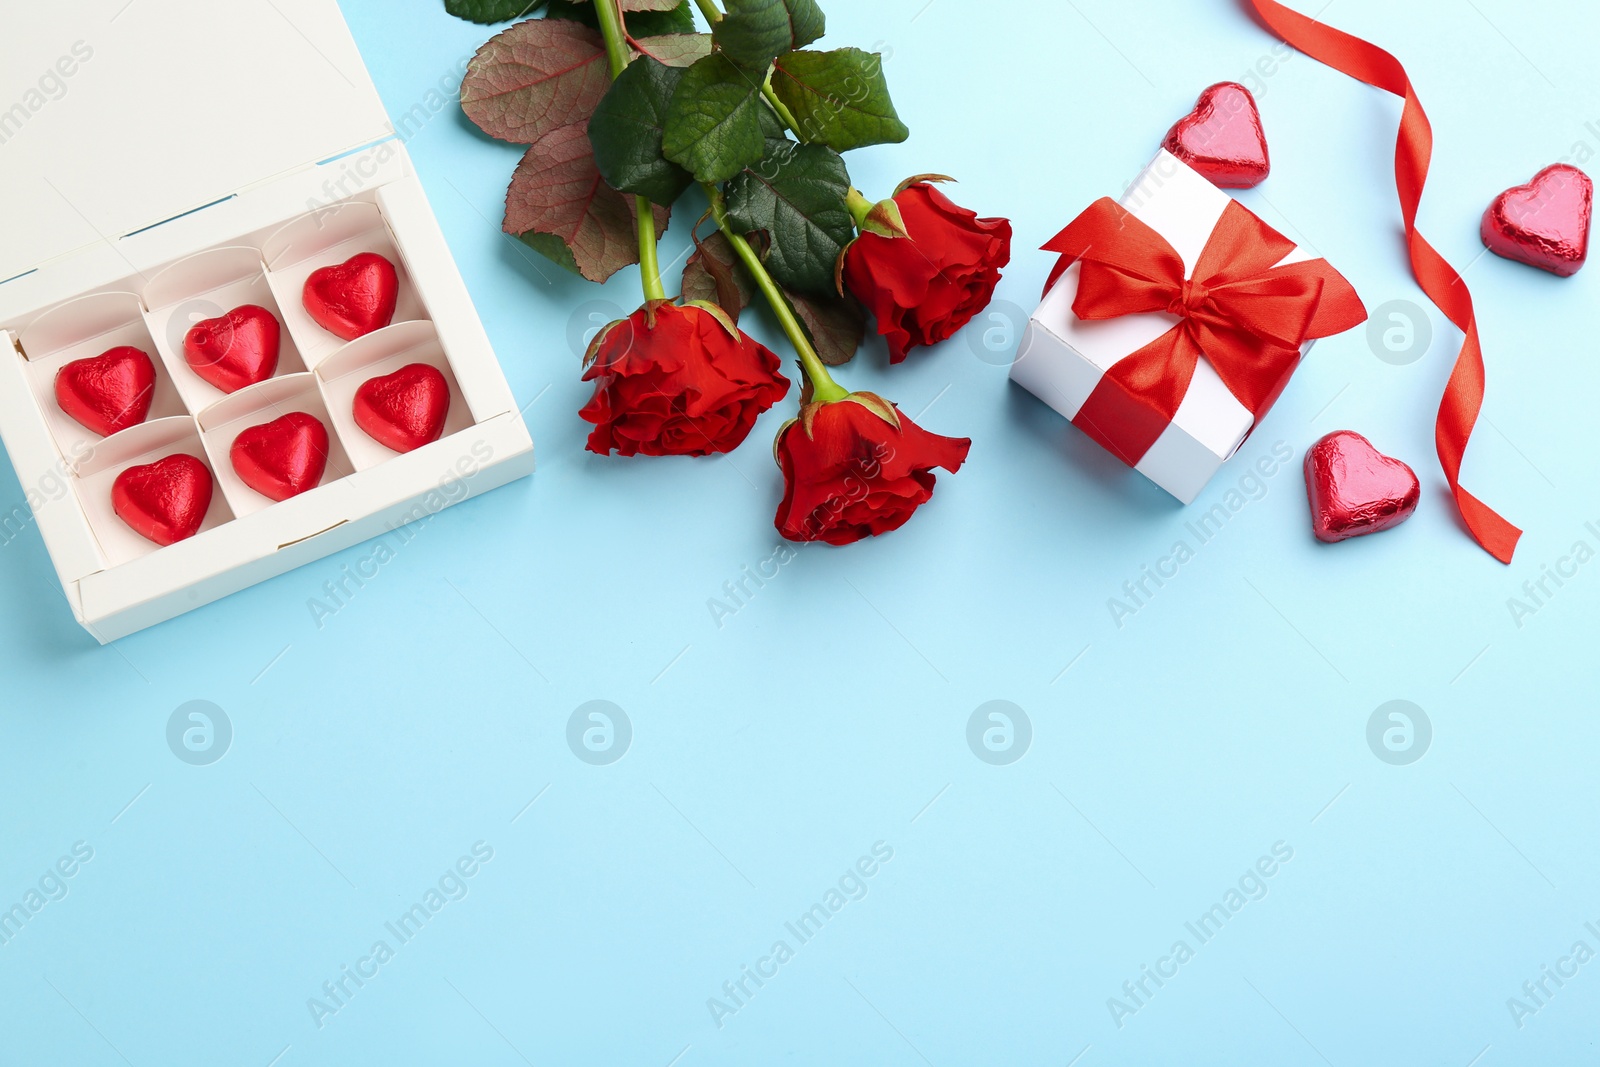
[166,165]
[1061,358]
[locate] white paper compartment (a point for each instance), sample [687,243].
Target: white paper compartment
[83,329]
[224,421]
[205,286]
[325,238]
[94,474]
[384,352]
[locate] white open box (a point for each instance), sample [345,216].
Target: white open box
[166,166]
[1062,358]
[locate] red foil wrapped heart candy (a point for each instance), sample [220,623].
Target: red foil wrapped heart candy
[236,349]
[1355,490]
[353,298]
[282,458]
[110,392]
[404,410]
[1222,138]
[1545,223]
[165,501]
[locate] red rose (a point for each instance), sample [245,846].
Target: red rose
[690,384]
[857,468]
[926,286]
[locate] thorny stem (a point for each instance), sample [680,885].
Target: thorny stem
[824,388]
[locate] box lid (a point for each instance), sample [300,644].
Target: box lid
[115,121]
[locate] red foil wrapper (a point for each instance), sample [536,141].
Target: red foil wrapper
[236,349]
[165,501]
[282,458]
[404,410]
[110,392]
[1356,490]
[1545,223]
[1222,138]
[355,297]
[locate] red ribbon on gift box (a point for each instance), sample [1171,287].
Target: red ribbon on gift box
[1463,395]
[1240,311]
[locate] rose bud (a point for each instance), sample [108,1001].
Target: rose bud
[677,381]
[928,281]
[856,468]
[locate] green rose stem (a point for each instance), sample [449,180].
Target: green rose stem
[611,27]
[823,388]
[860,207]
[783,112]
[649,261]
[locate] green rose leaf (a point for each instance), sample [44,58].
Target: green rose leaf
[560,206]
[838,98]
[797,194]
[755,32]
[835,325]
[552,248]
[626,133]
[536,77]
[644,17]
[714,123]
[489,11]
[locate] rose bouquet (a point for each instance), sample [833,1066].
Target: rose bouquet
[626,106]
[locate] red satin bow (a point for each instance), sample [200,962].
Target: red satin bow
[1247,316]
[1463,395]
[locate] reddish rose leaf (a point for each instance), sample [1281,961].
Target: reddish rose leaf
[676,49]
[836,325]
[558,191]
[714,273]
[534,78]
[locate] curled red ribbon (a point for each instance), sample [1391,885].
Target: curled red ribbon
[1246,315]
[1463,395]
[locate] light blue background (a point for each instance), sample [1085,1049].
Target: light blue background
[830,712]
